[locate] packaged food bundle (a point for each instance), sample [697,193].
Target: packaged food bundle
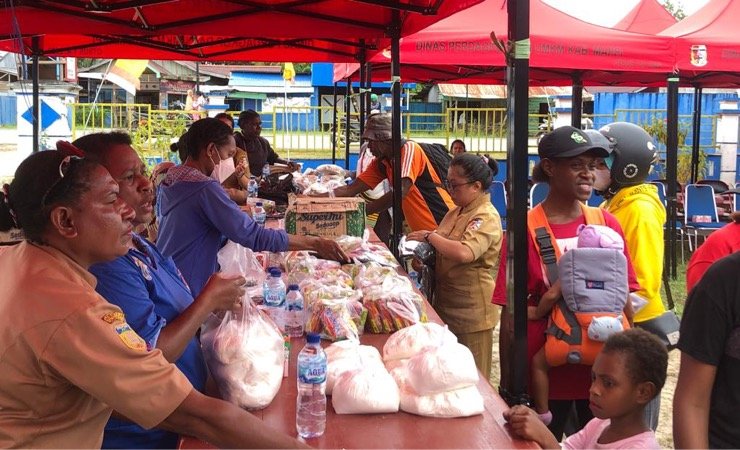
[349,244]
[343,356]
[314,290]
[387,313]
[268,205]
[411,340]
[373,274]
[336,319]
[323,186]
[366,390]
[303,180]
[244,352]
[330,169]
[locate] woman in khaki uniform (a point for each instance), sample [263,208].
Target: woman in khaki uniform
[67,356]
[467,243]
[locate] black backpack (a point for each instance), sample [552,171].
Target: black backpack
[439,157]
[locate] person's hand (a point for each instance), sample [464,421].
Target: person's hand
[417,235]
[238,196]
[328,249]
[223,293]
[532,313]
[417,264]
[526,424]
[293,167]
[240,168]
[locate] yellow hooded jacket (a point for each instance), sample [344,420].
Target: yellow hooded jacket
[642,216]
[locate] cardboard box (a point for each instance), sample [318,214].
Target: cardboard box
[327,217]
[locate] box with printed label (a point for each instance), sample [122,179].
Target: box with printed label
[327,217]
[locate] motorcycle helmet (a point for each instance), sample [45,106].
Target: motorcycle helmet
[633,154]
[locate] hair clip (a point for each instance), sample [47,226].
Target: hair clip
[68,149]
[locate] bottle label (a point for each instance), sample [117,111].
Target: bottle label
[312,373]
[273,298]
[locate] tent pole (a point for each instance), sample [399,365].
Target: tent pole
[395,35]
[514,389]
[671,163]
[197,77]
[347,121]
[35,49]
[696,135]
[577,101]
[334,128]
[363,92]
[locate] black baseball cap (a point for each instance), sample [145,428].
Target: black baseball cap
[567,142]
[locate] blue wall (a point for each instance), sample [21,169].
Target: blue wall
[8,110]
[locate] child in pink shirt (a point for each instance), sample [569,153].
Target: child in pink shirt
[629,372]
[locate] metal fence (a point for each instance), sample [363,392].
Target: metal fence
[305,132]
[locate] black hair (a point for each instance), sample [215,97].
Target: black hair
[452,144]
[492,164]
[474,168]
[539,175]
[201,133]
[181,147]
[38,179]
[224,115]
[646,356]
[97,145]
[246,116]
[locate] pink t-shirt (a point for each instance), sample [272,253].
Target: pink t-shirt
[588,438]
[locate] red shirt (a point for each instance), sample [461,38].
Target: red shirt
[719,244]
[571,381]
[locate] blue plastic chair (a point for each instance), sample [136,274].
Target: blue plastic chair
[498,198]
[538,193]
[699,201]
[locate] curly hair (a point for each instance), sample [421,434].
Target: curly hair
[647,357]
[39,186]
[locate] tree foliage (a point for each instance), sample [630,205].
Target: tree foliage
[676,9]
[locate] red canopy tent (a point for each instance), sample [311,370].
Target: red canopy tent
[217,30]
[708,45]
[460,49]
[647,17]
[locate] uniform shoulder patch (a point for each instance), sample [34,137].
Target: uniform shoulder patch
[475,224]
[113,317]
[129,337]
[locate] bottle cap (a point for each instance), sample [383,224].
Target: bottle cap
[275,272]
[293,287]
[313,338]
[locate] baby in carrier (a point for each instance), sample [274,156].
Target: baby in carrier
[594,305]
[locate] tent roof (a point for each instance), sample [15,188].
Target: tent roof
[460,49]
[216,30]
[492,91]
[714,27]
[648,17]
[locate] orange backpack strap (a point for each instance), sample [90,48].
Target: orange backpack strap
[593,216]
[539,229]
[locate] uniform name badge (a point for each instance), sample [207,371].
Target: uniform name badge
[129,337]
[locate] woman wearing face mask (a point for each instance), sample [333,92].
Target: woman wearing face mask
[467,244]
[197,214]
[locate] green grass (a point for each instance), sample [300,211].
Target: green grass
[678,287]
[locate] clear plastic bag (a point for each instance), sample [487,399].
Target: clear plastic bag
[236,260]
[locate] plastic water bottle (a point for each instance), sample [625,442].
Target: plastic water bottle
[275,289]
[294,321]
[252,187]
[265,171]
[310,416]
[274,293]
[258,214]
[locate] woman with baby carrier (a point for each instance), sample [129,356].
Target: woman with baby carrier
[568,161]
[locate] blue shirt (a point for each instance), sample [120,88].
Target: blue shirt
[197,216]
[151,292]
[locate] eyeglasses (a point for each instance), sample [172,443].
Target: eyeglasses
[451,187]
[64,169]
